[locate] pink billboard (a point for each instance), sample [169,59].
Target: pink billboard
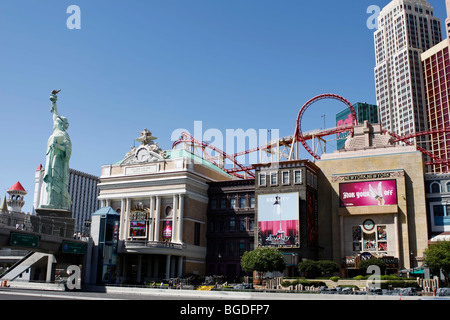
[370,193]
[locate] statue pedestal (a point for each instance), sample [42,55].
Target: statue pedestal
[54,222]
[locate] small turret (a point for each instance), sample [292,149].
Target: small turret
[16,195]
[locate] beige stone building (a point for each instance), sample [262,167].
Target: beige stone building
[162,200]
[372,202]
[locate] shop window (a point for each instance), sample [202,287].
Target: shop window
[138,229]
[375,241]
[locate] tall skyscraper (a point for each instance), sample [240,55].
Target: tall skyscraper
[407,28]
[436,68]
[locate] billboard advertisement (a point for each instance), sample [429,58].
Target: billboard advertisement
[368,193]
[278,220]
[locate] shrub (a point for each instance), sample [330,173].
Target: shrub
[335,279]
[314,269]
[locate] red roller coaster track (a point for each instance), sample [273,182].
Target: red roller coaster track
[299,136]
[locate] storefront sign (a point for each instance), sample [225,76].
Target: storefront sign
[370,193]
[391,262]
[278,220]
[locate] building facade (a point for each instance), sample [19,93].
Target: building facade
[286,210]
[162,199]
[372,202]
[231,227]
[436,68]
[437,188]
[407,28]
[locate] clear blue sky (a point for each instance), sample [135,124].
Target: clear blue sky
[163,64]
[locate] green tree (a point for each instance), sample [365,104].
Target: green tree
[263,260]
[437,257]
[314,269]
[310,268]
[327,268]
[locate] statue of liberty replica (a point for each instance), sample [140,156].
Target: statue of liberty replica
[59,149]
[56,177]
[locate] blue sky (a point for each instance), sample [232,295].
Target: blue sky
[163,64]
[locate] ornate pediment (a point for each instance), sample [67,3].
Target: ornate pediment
[147,152]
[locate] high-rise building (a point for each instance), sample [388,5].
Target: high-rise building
[407,28]
[436,68]
[364,111]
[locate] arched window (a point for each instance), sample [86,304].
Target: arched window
[435,187]
[447,186]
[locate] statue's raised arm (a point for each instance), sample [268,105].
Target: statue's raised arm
[53,99]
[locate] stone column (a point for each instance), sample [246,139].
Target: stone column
[151,235]
[122,218]
[157,211]
[139,268]
[174,218]
[126,222]
[342,236]
[397,238]
[180,219]
[167,275]
[180,266]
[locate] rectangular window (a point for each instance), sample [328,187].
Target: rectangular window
[241,247]
[274,178]
[197,234]
[242,203]
[252,202]
[262,179]
[223,204]
[232,224]
[298,176]
[285,177]
[233,203]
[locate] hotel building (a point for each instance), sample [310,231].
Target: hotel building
[372,202]
[407,28]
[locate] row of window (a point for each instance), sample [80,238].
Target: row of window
[230,248]
[234,202]
[231,224]
[272,178]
